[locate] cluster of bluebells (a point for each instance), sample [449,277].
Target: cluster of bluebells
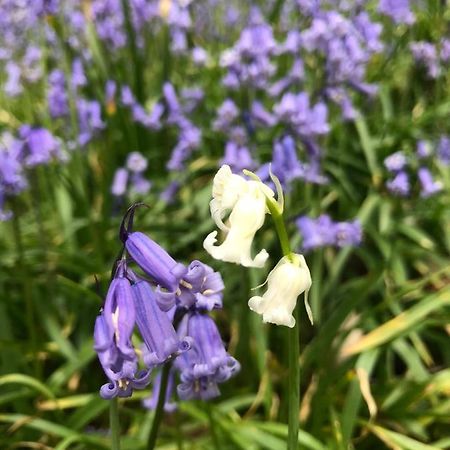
[19,153]
[170,112]
[403,169]
[344,44]
[323,232]
[170,306]
[398,10]
[435,59]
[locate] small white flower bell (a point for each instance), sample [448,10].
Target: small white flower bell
[288,279]
[247,201]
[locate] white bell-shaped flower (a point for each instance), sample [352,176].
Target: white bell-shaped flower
[289,278]
[247,202]
[227,188]
[245,220]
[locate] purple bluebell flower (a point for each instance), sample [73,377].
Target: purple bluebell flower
[122,372]
[423,149]
[119,184]
[226,114]
[395,162]
[200,287]
[296,111]
[154,260]
[31,64]
[57,99]
[90,120]
[140,184]
[127,97]
[136,162]
[341,97]
[207,363]
[443,150]
[188,140]
[78,76]
[40,145]
[399,185]
[248,62]
[191,98]
[316,232]
[285,163]
[398,10]
[445,51]
[426,53]
[160,338]
[112,339]
[323,231]
[119,312]
[261,115]
[172,101]
[12,178]
[13,86]
[109,21]
[237,157]
[199,56]
[169,193]
[429,187]
[348,233]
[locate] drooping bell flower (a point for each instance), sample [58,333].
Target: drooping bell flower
[154,260]
[201,287]
[247,201]
[122,373]
[119,312]
[207,363]
[286,282]
[429,186]
[112,339]
[158,333]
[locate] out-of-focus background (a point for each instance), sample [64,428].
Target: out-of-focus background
[108,102]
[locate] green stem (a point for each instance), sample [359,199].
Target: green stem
[280,228]
[114,424]
[293,337]
[293,383]
[159,412]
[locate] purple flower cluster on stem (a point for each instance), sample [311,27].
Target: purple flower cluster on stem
[155,304]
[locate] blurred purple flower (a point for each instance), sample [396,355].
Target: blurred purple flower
[399,185]
[316,232]
[398,10]
[426,53]
[57,97]
[13,86]
[348,233]
[395,162]
[429,187]
[40,146]
[237,157]
[136,162]
[119,184]
[443,150]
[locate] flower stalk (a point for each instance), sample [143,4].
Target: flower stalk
[114,424]
[276,212]
[159,411]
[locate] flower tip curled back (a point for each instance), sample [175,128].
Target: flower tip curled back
[285,283]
